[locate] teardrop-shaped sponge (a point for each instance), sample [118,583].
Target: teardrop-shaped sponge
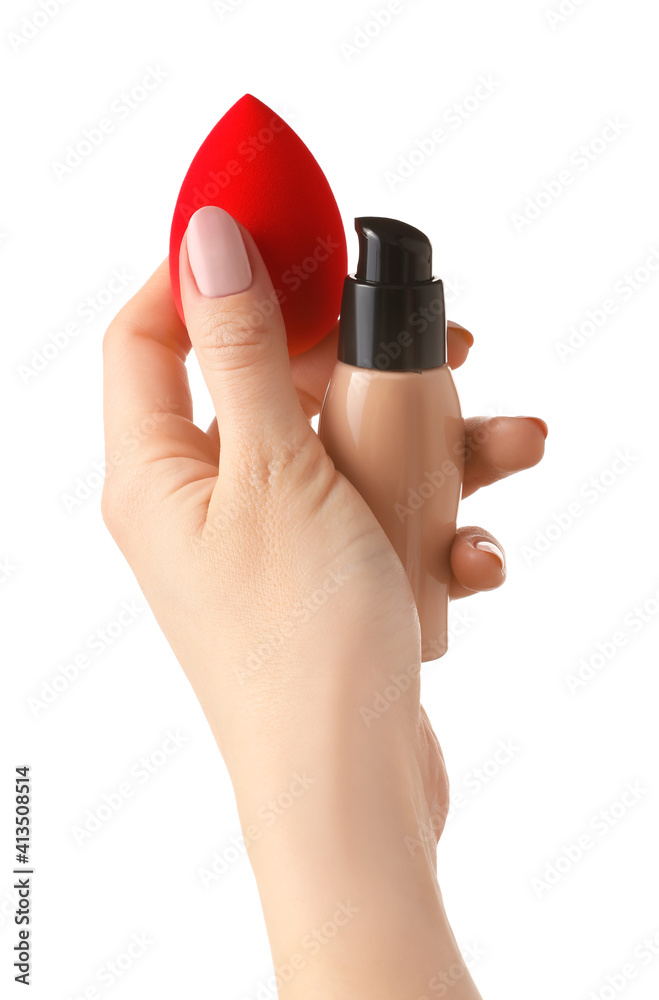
[253,165]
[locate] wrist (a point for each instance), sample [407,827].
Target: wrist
[350,899]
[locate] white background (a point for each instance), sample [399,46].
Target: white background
[523,288]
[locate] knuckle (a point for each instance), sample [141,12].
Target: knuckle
[288,471]
[233,337]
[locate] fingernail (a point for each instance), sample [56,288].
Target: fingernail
[464,333]
[217,253]
[486,546]
[541,424]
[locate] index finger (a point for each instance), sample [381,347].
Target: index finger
[144,373]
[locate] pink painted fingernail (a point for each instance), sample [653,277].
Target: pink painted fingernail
[217,253]
[486,546]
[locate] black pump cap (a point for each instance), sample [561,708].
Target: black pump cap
[392,311]
[392,253]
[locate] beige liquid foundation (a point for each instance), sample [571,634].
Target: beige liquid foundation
[391,418]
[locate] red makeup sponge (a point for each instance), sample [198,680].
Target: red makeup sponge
[255,167]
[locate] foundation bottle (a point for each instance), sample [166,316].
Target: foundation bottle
[391,418]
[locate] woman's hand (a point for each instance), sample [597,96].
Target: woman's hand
[279,592]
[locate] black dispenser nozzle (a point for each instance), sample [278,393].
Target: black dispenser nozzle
[392,311]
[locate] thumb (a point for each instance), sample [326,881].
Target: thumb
[237,330]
